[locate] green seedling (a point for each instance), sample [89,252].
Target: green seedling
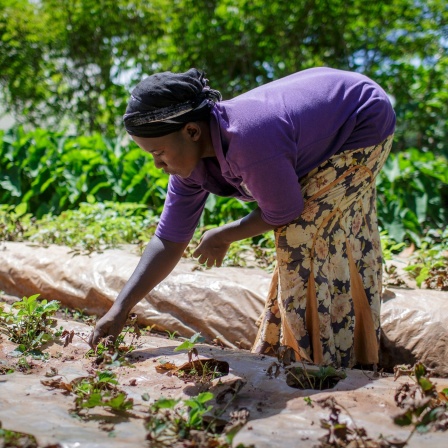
[308,401]
[24,366]
[303,377]
[169,420]
[323,378]
[31,326]
[173,421]
[190,346]
[100,390]
[171,335]
[78,315]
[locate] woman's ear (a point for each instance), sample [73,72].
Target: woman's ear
[193,130]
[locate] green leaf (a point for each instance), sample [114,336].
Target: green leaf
[426,384]
[404,419]
[203,397]
[93,400]
[186,345]
[20,209]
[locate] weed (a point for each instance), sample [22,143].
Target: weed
[203,371]
[148,329]
[24,366]
[31,326]
[99,390]
[308,401]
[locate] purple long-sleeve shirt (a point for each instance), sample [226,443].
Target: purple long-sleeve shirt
[265,140]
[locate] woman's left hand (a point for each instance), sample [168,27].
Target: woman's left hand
[212,248]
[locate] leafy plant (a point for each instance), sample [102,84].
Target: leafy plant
[31,326]
[430,264]
[325,377]
[50,172]
[171,421]
[100,390]
[190,344]
[114,352]
[390,247]
[412,190]
[423,407]
[339,434]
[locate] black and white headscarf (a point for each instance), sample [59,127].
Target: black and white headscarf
[164,102]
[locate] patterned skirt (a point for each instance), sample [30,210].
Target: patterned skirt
[324,298]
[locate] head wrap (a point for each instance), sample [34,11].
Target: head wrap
[162,103]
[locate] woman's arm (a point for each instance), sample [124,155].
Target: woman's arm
[158,260]
[215,242]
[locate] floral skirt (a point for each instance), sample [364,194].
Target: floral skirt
[324,298]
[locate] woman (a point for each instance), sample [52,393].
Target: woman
[307,148]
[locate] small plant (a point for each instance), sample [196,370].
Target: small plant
[171,421]
[78,315]
[423,407]
[171,335]
[340,434]
[10,438]
[301,376]
[5,368]
[25,366]
[31,326]
[389,247]
[325,377]
[429,265]
[200,370]
[115,352]
[190,345]
[100,390]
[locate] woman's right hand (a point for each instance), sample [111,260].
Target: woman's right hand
[110,324]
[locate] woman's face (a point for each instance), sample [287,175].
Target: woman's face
[175,153]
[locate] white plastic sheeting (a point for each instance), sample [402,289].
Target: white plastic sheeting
[224,302]
[279,415]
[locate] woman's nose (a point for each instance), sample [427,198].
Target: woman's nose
[159,164]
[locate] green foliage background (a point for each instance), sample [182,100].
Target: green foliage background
[72,62]
[67,66]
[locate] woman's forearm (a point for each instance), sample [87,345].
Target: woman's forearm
[158,260]
[247,227]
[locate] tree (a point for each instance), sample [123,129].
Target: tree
[61,60]
[78,58]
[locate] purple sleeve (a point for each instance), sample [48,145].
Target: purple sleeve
[183,207]
[275,186]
